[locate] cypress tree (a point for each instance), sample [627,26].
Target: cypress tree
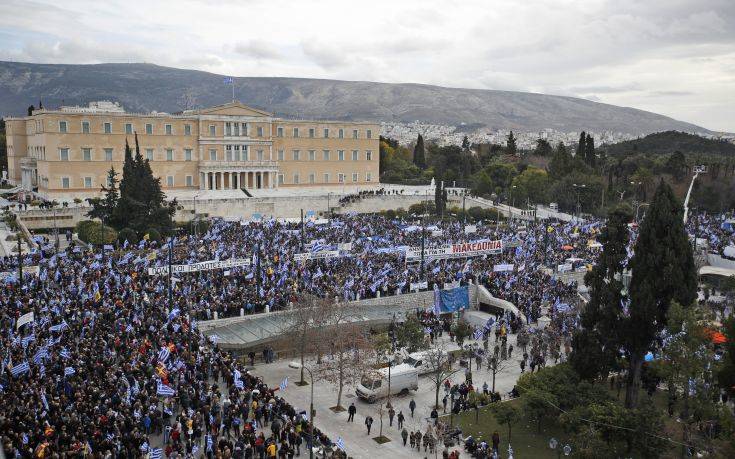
[580,145]
[510,145]
[589,151]
[595,345]
[438,197]
[465,144]
[663,271]
[419,153]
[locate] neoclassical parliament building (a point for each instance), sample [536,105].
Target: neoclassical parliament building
[67,152]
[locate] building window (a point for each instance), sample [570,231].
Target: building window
[228,152]
[148,129]
[212,130]
[64,154]
[326,133]
[296,179]
[369,133]
[108,154]
[187,154]
[260,155]
[355,155]
[189,180]
[368,176]
[62,127]
[228,129]
[312,178]
[354,176]
[296,155]
[169,154]
[296,132]
[326,178]
[128,128]
[340,155]
[65,182]
[311,133]
[170,181]
[312,155]
[149,154]
[87,154]
[341,133]
[87,182]
[280,179]
[280,155]
[85,127]
[236,129]
[213,155]
[236,153]
[169,129]
[108,128]
[354,133]
[279,132]
[325,154]
[187,129]
[341,178]
[244,129]
[260,131]
[368,155]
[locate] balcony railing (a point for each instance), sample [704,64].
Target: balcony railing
[248,164]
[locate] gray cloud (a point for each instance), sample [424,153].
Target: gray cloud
[258,49]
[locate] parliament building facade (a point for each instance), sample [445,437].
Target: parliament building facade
[67,152]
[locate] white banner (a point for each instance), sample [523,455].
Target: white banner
[419,285]
[503,267]
[437,233]
[24,319]
[469,229]
[202,266]
[27,270]
[316,255]
[345,246]
[565,268]
[462,249]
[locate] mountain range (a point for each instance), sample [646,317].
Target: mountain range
[147,87]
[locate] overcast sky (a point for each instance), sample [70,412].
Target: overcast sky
[673,57]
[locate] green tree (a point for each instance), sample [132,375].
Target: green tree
[589,151]
[595,345]
[581,144]
[543,148]
[439,197]
[506,414]
[510,144]
[532,185]
[465,144]
[560,161]
[419,153]
[410,334]
[676,165]
[663,271]
[104,208]
[462,329]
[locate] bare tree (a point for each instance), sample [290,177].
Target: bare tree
[349,354]
[187,100]
[304,327]
[440,367]
[496,365]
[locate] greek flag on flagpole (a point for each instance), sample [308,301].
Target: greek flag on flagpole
[340,443]
[20,369]
[68,371]
[284,383]
[165,390]
[227,80]
[478,334]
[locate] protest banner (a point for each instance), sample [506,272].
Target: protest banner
[24,319]
[202,266]
[416,286]
[325,254]
[459,250]
[469,229]
[503,267]
[564,268]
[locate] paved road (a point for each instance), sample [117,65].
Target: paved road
[357,443]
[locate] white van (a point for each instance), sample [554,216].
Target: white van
[375,385]
[419,361]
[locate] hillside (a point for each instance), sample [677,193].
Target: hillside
[147,87]
[669,142]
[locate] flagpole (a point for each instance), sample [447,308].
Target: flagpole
[232,80]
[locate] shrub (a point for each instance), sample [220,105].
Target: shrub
[91,232]
[127,234]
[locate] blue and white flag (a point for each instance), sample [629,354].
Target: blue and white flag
[210,442]
[479,334]
[44,401]
[340,443]
[68,371]
[165,390]
[40,355]
[284,384]
[65,353]
[57,328]
[19,369]
[27,340]
[164,354]
[227,80]
[156,453]
[174,314]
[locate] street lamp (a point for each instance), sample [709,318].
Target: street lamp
[637,189]
[510,202]
[555,445]
[311,408]
[578,189]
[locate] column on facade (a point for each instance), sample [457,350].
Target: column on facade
[233,179]
[273,179]
[201,180]
[218,176]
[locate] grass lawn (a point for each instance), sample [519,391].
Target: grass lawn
[525,439]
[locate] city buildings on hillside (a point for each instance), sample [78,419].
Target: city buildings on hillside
[67,152]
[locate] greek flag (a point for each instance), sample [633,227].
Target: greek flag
[239,384]
[44,401]
[27,340]
[65,353]
[68,371]
[210,442]
[340,443]
[284,383]
[478,334]
[194,450]
[20,369]
[164,354]
[57,328]
[40,355]
[227,80]
[156,453]
[165,390]
[174,314]
[129,328]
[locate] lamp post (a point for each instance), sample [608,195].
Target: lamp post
[578,189]
[311,414]
[637,186]
[56,231]
[20,252]
[170,263]
[196,218]
[556,446]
